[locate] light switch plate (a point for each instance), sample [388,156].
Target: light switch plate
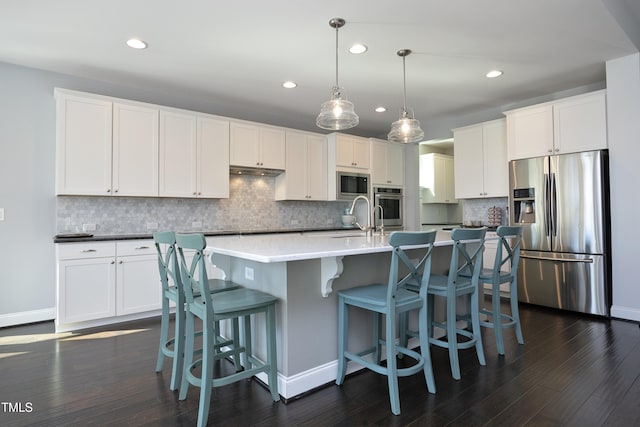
[1,214]
[88,227]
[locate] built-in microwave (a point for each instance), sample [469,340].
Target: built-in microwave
[351,185]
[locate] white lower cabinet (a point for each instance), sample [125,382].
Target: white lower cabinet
[106,282]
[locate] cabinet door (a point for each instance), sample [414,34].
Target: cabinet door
[83,146]
[468,162]
[272,148]
[530,132]
[580,123]
[449,194]
[316,168]
[379,163]
[361,153]
[135,150]
[213,158]
[244,145]
[395,164]
[344,151]
[292,185]
[496,166]
[178,155]
[138,284]
[86,289]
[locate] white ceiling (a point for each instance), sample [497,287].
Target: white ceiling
[236,54]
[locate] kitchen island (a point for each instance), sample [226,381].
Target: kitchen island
[305,271]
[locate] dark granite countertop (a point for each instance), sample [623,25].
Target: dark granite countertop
[82,237]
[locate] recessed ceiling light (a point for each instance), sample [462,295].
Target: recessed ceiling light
[358,49]
[381,109]
[136,44]
[289,85]
[493,74]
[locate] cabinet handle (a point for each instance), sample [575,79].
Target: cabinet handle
[108,190]
[142,247]
[116,191]
[194,193]
[199,193]
[113,262]
[88,250]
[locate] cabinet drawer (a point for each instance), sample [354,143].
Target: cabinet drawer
[85,250]
[135,247]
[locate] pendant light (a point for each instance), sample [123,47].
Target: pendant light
[338,112]
[406,129]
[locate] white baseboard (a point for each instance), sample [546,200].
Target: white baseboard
[21,318]
[295,385]
[627,313]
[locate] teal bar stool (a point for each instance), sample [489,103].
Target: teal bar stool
[391,300]
[507,255]
[212,308]
[462,280]
[170,281]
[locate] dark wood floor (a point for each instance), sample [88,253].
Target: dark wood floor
[572,370]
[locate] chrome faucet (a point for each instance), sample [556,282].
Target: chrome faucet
[381,228]
[368,229]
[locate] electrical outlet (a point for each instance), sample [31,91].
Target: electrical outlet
[196,224]
[294,222]
[152,226]
[248,273]
[1,214]
[88,227]
[329,221]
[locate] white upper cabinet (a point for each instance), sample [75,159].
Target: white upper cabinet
[305,176]
[213,158]
[570,125]
[83,145]
[104,147]
[257,146]
[350,151]
[387,163]
[437,178]
[194,155]
[480,160]
[580,123]
[178,154]
[135,150]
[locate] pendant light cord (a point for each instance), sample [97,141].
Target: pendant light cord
[337,85]
[404,85]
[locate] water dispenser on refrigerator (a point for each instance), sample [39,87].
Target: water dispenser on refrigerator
[524,208]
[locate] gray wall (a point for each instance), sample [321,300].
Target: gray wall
[623,104]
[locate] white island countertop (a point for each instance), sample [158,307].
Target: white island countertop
[268,248]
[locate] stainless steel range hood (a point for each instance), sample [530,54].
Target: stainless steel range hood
[240,170]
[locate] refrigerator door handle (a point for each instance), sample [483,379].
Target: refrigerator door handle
[547,205]
[554,206]
[543,258]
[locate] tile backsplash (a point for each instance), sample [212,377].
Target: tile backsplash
[250,206]
[478,209]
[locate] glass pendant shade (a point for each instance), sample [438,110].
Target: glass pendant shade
[338,113]
[406,129]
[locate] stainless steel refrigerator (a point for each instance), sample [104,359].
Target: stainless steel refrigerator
[562,201]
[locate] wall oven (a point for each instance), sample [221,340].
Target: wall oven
[391,201]
[350,185]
